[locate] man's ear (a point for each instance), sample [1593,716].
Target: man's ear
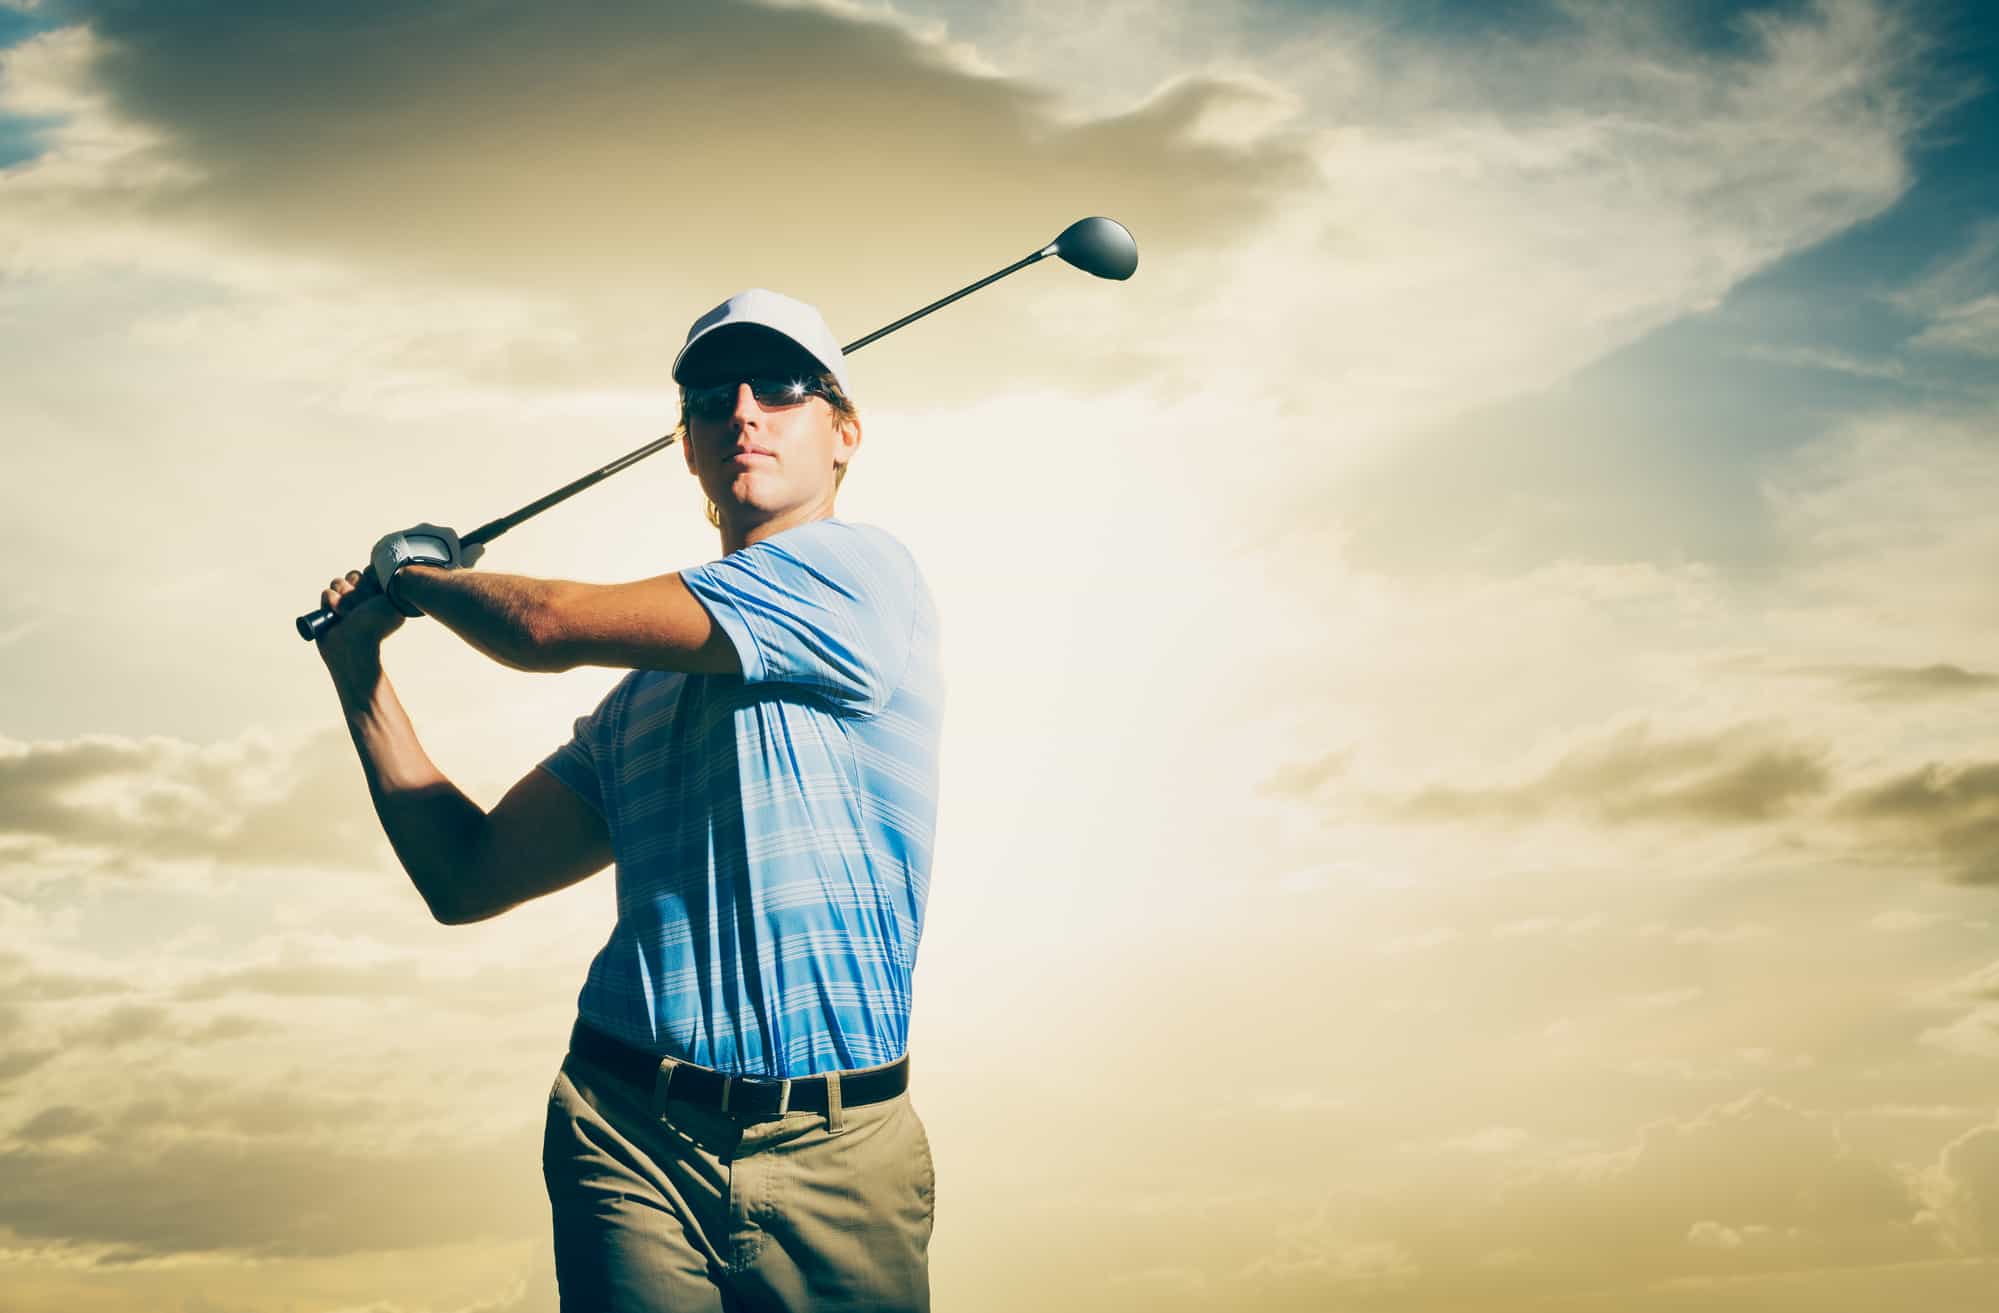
[850,434]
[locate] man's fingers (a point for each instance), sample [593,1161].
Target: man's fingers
[345,586]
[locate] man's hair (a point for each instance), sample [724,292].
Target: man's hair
[843,409]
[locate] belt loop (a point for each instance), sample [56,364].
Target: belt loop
[662,1081]
[727,1081]
[784,1096]
[835,1123]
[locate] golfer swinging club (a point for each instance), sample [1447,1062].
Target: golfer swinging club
[731,1127]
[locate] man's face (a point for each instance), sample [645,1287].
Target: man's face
[769,459]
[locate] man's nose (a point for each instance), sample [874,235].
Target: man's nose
[746,402]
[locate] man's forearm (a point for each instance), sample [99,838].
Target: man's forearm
[503,615]
[436,831]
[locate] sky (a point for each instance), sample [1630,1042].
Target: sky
[1468,778]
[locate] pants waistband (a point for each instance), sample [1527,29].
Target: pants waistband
[745,1096]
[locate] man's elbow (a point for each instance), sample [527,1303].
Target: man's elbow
[451,891]
[459,911]
[547,638]
[446,907]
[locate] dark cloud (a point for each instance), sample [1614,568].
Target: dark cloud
[188,1163]
[54,1123]
[20,1062]
[199,1106]
[1950,810]
[1912,683]
[635,162]
[128,1023]
[1731,778]
[267,1197]
[137,1023]
[232,1026]
[250,801]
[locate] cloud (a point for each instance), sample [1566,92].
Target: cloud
[1959,296]
[56,1122]
[132,1196]
[230,1027]
[504,199]
[21,1062]
[1735,777]
[1911,683]
[1974,1032]
[1971,328]
[1300,780]
[302,971]
[249,800]
[1755,1184]
[1757,1180]
[21,980]
[598,166]
[128,1023]
[297,976]
[1952,810]
[1836,361]
[16,632]
[1962,1190]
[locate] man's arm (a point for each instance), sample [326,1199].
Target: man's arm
[468,865]
[554,624]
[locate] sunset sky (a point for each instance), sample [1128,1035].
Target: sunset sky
[1469,778]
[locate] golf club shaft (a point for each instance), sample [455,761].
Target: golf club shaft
[1015,267]
[313,624]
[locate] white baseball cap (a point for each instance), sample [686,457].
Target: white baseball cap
[779,313]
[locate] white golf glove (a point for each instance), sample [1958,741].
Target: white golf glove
[422,544]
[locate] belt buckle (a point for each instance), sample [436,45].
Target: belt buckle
[782,1084]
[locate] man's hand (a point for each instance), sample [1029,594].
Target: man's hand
[422,544]
[366,618]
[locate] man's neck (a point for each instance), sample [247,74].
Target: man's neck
[734,539]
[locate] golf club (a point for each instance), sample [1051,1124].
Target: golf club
[1099,246]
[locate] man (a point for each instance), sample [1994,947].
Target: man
[731,1127]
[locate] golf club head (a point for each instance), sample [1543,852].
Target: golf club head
[1098,246]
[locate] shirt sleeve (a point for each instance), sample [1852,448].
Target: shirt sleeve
[575,762]
[829,606]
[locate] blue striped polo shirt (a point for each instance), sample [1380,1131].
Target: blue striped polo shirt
[773,830]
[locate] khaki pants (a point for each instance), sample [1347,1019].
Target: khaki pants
[687,1207]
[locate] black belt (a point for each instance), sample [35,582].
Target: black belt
[745,1096]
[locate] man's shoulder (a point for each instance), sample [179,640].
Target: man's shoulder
[852,541]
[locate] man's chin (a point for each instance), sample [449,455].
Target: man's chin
[751,510]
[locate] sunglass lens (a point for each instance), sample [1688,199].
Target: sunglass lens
[781,391]
[770,391]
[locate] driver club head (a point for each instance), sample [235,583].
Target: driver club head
[1099,246]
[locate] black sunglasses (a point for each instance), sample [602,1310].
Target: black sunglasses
[771,391]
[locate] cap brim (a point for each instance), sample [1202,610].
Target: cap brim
[723,353]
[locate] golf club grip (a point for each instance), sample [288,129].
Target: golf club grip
[314,623]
